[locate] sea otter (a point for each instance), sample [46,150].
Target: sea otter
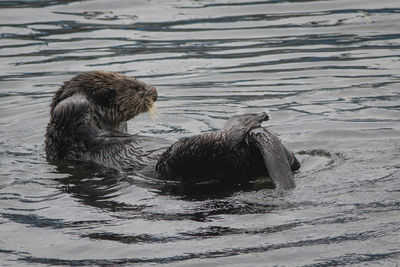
[88,124]
[88,117]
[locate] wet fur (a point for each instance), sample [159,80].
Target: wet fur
[88,119]
[88,124]
[239,153]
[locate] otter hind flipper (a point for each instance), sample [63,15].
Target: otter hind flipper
[240,152]
[278,160]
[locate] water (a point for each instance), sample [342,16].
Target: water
[327,72]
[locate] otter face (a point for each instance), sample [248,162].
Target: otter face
[133,97]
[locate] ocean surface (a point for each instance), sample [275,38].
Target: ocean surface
[327,73]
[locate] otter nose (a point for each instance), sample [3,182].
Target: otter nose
[153,92]
[263,116]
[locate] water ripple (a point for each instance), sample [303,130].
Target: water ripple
[325,71]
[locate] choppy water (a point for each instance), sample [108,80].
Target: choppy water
[328,73]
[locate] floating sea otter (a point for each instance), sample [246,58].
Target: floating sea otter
[88,124]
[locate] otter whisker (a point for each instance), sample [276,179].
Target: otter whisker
[153,111]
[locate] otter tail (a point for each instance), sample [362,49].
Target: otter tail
[278,160]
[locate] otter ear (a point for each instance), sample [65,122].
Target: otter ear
[103,95]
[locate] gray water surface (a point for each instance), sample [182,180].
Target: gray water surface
[327,72]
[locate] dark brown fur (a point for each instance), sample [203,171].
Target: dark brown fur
[239,153]
[89,112]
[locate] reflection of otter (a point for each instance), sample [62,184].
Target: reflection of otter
[88,123]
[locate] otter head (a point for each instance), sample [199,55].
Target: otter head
[115,98]
[247,121]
